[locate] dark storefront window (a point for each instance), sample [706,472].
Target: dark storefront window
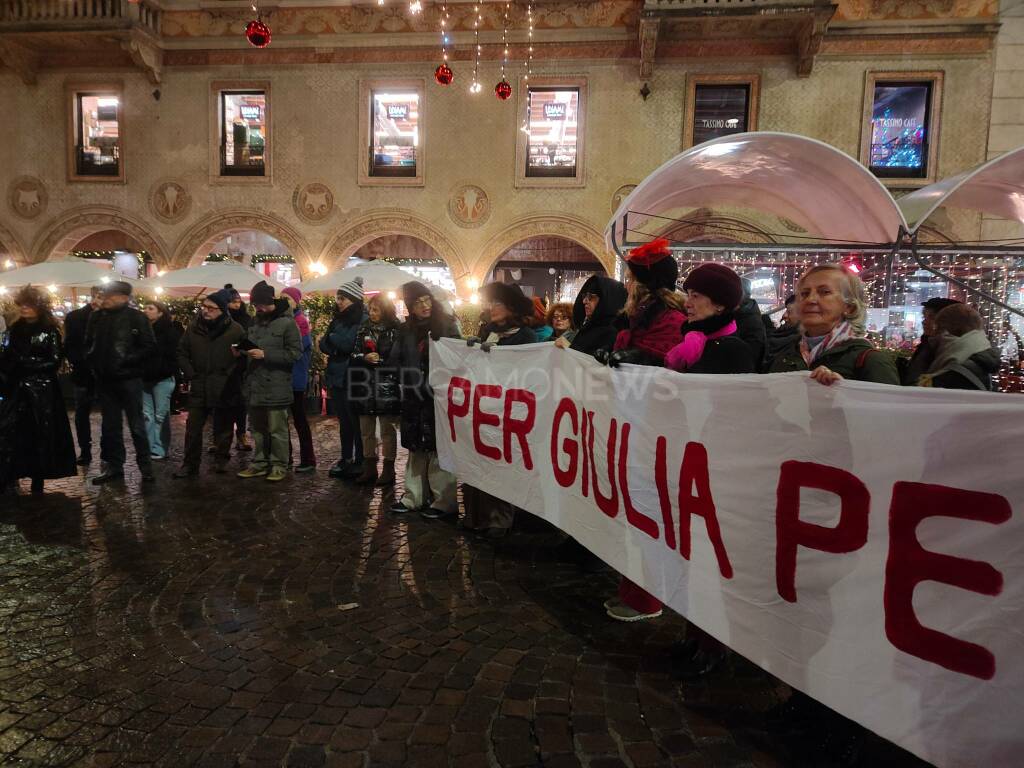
[720,110]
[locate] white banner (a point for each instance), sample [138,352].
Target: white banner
[864,543]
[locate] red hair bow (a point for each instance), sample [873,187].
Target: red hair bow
[650,253]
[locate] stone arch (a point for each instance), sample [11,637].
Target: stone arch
[391,221]
[12,246]
[61,235]
[197,240]
[556,225]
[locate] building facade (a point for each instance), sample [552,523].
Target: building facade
[308,139]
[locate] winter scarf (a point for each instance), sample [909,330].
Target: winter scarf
[841,333]
[496,334]
[954,351]
[686,353]
[302,322]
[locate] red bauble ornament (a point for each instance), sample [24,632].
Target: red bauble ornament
[444,75]
[257,33]
[503,90]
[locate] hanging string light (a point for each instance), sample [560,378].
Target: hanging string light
[525,128]
[503,90]
[443,74]
[475,86]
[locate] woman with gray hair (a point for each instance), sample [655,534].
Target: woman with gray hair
[832,307]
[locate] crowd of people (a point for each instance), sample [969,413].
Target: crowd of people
[247,371]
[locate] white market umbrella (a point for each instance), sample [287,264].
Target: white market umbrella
[378,277]
[63,273]
[206,278]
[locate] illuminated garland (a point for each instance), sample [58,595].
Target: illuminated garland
[142,256]
[258,258]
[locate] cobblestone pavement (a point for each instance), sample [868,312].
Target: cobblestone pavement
[220,621]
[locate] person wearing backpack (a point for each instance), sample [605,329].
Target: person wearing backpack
[832,307]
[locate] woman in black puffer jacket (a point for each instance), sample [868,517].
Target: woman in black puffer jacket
[374,391]
[159,372]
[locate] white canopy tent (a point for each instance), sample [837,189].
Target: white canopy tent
[205,278]
[378,276]
[71,272]
[823,190]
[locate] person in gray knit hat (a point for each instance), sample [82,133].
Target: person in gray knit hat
[338,344]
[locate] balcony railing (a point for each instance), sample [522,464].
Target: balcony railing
[26,15]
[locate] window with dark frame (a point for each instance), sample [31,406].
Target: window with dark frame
[394,133]
[243,133]
[900,129]
[552,129]
[720,109]
[97,134]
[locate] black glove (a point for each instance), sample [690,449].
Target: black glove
[472,340]
[435,336]
[486,346]
[602,356]
[633,356]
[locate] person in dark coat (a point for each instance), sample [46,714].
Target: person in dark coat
[374,390]
[159,373]
[119,341]
[35,436]
[785,334]
[239,312]
[964,357]
[81,375]
[427,487]
[749,323]
[711,344]
[594,313]
[208,363]
[923,356]
[510,314]
[271,346]
[300,381]
[338,344]
[832,306]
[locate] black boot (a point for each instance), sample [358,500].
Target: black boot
[369,475]
[109,475]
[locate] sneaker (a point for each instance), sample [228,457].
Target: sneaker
[398,508]
[625,613]
[252,472]
[432,513]
[156,457]
[277,474]
[304,468]
[612,602]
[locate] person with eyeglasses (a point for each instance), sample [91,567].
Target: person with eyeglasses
[208,362]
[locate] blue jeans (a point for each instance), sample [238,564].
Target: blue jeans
[156,405]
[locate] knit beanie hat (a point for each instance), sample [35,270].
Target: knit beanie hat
[718,283]
[221,298]
[294,294]
[654,265]
[512,296]
[262,293]
[412,291]
[233,293]
[353,289]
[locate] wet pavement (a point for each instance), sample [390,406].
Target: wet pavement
[217,622]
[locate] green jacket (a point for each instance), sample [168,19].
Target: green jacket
[205,357]
[876,365]
[268,382]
